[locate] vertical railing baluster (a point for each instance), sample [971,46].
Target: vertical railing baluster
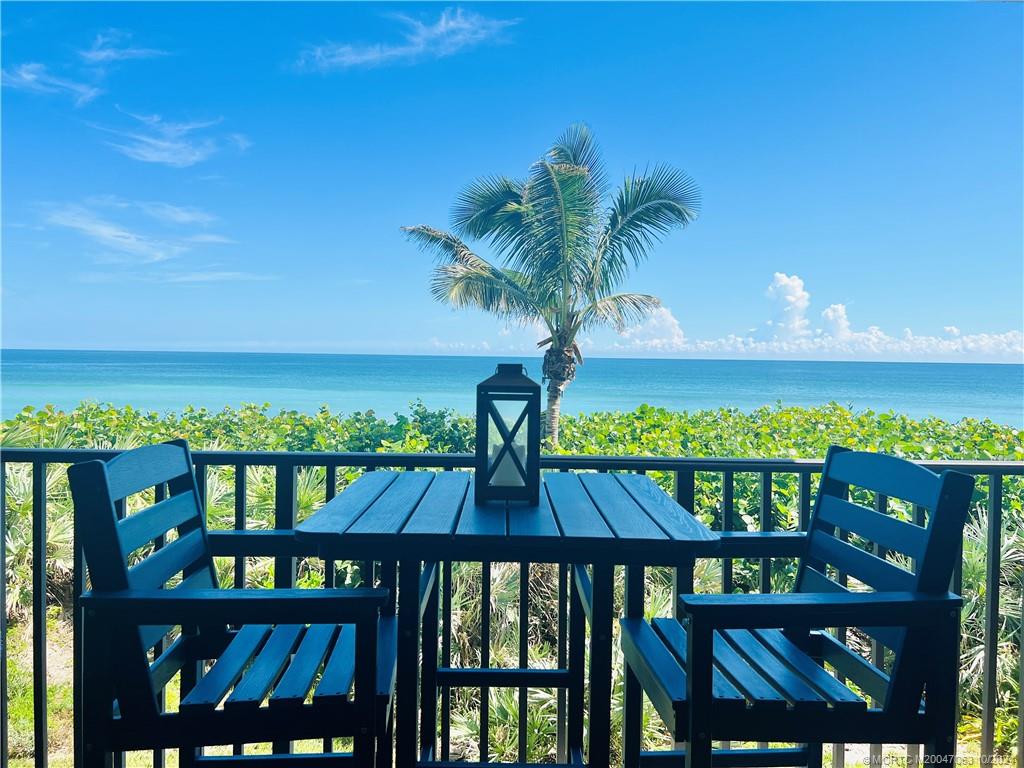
[330,491]
[990,637]
[561,731]
[485,657]
[914,750]
[728,491]
[239,524]
[877,650]
[446,660]
[805,500]
[3,617]
[524,657]
[159,494]
[682,578]
[200,469]
[767,524]
[39,693]
[285,514]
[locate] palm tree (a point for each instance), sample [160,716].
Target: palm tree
[563,245]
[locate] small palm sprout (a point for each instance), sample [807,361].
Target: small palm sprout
[564,246]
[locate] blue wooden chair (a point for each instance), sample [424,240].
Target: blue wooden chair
[255,665]
[755,668]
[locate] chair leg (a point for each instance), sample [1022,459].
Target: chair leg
[813,755]
[698,690]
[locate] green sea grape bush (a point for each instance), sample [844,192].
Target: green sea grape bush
[773,432]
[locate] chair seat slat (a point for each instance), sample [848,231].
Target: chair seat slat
[141,528]
[266,668]
[211,688]
[869,678]
[863,566]
[295,683]
[672,632]
[770,667]
[837,694]
[340,670]
[882,529]
[155,570]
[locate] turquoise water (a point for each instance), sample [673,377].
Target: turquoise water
[389,383]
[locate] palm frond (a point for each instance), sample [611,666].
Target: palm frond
[644,210]
[492,208]
[464,279]
[578,147]
[620,310]
[563,224]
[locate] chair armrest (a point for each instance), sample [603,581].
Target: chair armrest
[236,606]
[879,609]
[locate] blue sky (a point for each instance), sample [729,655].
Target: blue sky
[234,176]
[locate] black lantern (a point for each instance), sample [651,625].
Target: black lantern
[508,437]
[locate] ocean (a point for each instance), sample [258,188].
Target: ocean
[388,384]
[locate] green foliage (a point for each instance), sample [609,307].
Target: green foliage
[766,432]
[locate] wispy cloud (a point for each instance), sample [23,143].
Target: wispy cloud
[155,140]
[160,211]
[210,238]
[115,45]
[114,237]
[198,276]
[789,334]
[123,230]
[36,78]
[455,30]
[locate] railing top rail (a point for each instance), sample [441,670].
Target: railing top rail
[464,460]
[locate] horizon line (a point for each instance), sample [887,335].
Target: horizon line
[4,349]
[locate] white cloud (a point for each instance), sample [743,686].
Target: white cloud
[37,78]
[791,336]
[454,31]
[167,143]
[115,45]
[660,333]
[791,300]
[240,140]
[458,346]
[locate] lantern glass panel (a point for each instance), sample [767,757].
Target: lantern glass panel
[507,473]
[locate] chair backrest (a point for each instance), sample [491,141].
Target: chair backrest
[881,552]
[144,550]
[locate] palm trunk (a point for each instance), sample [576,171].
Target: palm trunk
[559,370]
[554,410]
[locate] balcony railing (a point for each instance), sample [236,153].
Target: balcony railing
[711,487]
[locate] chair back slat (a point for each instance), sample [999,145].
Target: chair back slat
[111,540]
[839,530]
[146,467]
[147,526]
[879,574]
[888,475]
[180,556]
[885,530]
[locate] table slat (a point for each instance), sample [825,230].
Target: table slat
[392,508]
[626,519]
[340,512]
[438,511]
[670,517]
[575,512]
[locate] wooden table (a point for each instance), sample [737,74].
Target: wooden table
[601,520]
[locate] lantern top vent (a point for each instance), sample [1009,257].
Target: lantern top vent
[509,376]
